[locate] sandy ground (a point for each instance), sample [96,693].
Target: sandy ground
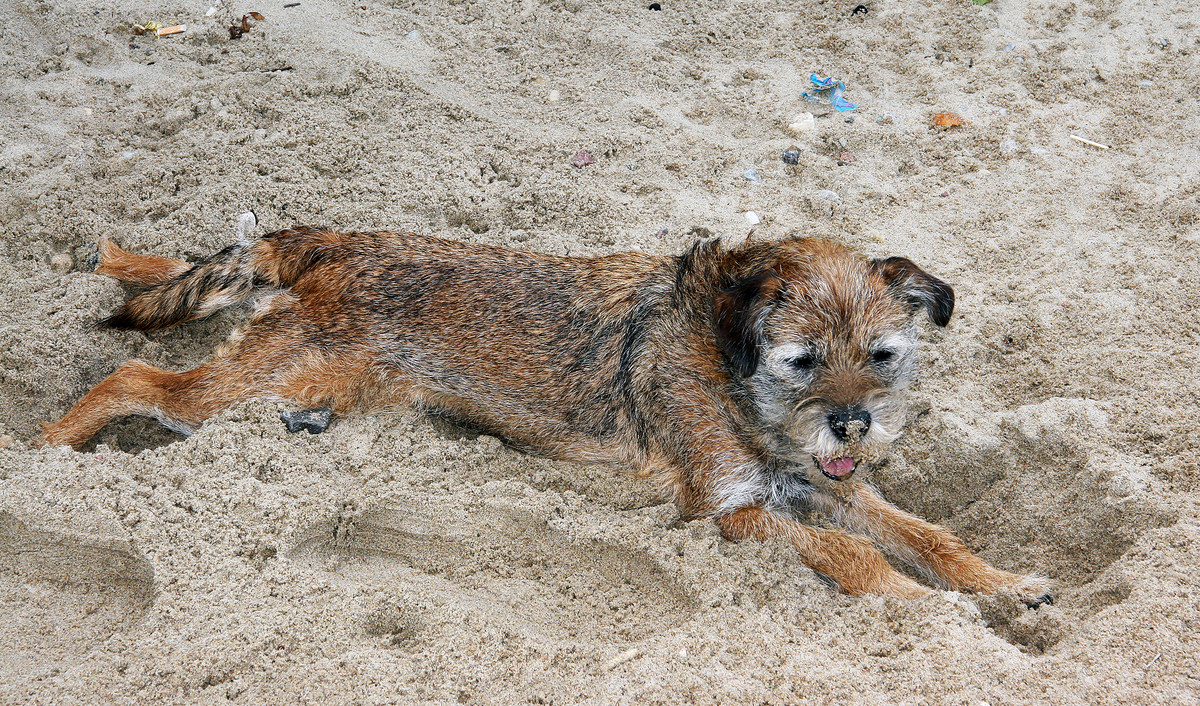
[395,559]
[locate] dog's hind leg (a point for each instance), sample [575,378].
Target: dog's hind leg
[143,270]
[928,547]
[851,562]
[274,357]
[135,388]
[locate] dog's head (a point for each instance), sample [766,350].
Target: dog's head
[824,339]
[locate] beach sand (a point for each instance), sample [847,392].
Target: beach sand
[398,559]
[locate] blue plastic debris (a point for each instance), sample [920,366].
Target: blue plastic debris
[826,89]
[751,176]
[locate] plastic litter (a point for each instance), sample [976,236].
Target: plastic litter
[827,89]
[751,176]
[246,222]
[582,159]
[752,218]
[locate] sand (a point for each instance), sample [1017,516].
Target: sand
[397,559]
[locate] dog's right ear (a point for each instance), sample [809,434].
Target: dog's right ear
[740,311]
[919,287]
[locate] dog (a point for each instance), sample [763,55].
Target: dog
[748,383]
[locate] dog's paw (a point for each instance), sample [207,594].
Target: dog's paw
[1034,591]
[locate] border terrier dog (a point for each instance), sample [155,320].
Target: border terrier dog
[748,383]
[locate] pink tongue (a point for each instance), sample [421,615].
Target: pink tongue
[837,466]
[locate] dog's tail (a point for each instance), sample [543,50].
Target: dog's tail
[226,278]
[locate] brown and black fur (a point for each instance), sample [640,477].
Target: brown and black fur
[747,383]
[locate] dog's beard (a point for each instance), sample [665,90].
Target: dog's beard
[815,438]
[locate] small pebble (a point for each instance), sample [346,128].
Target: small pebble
[211,11]
[1008,47]
[845,158]
[656,7]
[791,156]
[582,159]
[554,96]
[802,123]
[5,441]
[313,421]
[661,234]
[751,176]
[62,262]
[829,195]
[413,36]
[849,119]
[752,218]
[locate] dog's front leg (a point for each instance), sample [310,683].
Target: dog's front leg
[851,562]
[928,547]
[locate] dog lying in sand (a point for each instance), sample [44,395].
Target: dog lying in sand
[745,382]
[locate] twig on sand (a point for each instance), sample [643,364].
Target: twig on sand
[620,659]
[1086,141]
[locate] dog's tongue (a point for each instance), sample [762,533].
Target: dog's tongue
[838,466]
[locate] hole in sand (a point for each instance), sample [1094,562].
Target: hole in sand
[502,562]
[62,594]
[1031,494]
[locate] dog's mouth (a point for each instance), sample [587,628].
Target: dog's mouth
[837,468]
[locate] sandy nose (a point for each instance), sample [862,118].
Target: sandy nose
[849,423]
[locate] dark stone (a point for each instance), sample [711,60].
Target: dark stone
[314,421]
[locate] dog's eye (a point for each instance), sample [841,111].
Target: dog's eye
[883,355]
[803,362]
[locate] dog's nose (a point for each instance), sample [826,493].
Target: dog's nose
[849,423]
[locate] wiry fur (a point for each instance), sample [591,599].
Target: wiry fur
[736,379]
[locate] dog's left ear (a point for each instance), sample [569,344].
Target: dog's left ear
[740,311]
[918,287]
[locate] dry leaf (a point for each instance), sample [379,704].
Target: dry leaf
[950,120]
[257,15]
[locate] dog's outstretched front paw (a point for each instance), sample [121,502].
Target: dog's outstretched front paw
[1034,591]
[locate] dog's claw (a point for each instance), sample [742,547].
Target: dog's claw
[1035,603]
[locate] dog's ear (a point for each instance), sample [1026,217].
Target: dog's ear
[740,311]
[919,287]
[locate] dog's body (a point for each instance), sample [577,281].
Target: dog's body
[746,383]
